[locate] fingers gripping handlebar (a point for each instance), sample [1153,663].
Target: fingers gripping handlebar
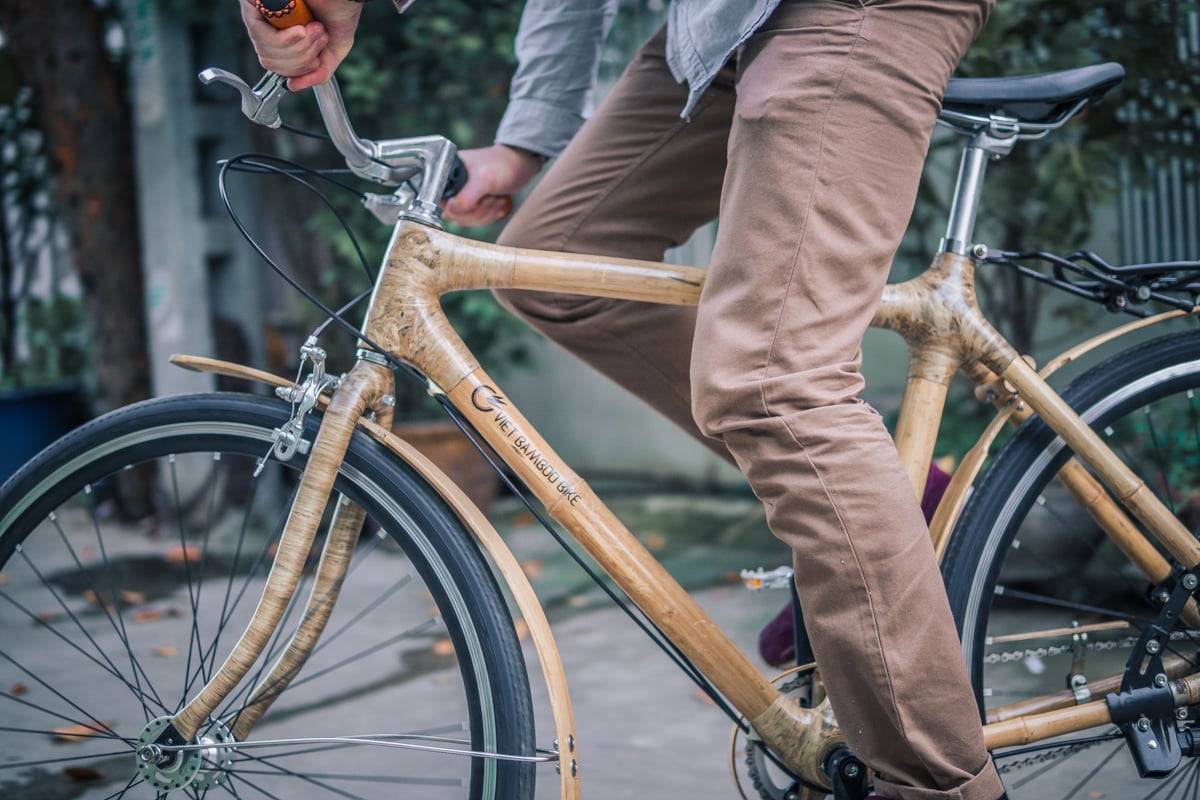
[428,164]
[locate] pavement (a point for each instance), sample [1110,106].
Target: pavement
[642,726]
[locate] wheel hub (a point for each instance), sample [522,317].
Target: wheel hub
[169,769]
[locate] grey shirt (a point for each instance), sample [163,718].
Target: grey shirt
[558,53]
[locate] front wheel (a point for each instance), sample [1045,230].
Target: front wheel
[109,625]
[1046,604]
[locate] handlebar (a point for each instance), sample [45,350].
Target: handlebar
[427,168]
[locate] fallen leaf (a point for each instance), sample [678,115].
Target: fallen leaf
[443,647]
[147,615]
[165,651]
[47,618]
[533,568]
[434,611]
[182,554]
[577,600]
[522,629]
[656,541]
[18,689]
[3,578]
[88,553]
[91,597]
[82,774]
[1096,795]
[80,731]
[131,598]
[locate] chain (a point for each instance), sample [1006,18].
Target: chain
[1069,649]
[1056,753]
[1044,757]
[1057,650]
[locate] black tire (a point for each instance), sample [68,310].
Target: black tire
[108,623]
[1024,557]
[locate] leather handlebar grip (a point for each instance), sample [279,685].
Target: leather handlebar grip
[284,13]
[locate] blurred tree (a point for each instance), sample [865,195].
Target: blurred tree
[57,49]
[1044,194]
[441,68]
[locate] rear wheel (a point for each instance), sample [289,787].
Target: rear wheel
[1027,565]
[109,624]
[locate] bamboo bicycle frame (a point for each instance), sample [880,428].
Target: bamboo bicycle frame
[937,315]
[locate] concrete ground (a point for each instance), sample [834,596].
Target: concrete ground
[643,728]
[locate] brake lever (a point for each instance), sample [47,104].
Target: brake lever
[261,103]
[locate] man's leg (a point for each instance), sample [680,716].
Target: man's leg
[835,104]
[634,182]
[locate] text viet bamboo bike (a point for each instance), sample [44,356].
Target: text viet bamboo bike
[1071,565]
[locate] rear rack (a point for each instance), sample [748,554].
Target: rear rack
[1120,289]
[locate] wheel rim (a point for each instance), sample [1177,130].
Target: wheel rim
[1018,647]
[144,621]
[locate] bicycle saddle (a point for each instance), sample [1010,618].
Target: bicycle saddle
[1043,98]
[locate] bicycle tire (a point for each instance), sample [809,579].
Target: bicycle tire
[105,627]
[1007,573]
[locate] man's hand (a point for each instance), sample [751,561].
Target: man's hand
[495,174]
[305,54]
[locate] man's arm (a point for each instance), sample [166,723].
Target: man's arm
[558,50]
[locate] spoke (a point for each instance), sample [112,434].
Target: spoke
[1160,461]
[237,557]
[1083,781]
[305,778]
[136,780]
[374,604]
[116,600]
[253,786]
[53,691]
[119,630]
[351,659]
[193,599]
[44,761]
[1041,599]
[213,485]
[110,668]
[251,574]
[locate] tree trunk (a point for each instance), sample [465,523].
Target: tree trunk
[59,50]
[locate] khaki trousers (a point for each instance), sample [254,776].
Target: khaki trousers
[809,147]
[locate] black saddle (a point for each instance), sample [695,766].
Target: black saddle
[1043,98]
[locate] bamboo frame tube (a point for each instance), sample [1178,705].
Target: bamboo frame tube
[1130,490]
[1038,727]
[917,426]
[344,530]
[1174,667]
[517,581]
[571,502]
[364,383]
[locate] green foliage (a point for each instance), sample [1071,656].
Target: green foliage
[1044,195]
[42,339]
[441,68]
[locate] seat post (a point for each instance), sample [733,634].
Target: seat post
[987,144]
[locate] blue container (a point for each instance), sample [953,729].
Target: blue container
[30,419]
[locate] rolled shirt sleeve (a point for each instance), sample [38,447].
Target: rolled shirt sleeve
[558,50]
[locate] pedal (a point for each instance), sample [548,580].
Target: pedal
[759,579]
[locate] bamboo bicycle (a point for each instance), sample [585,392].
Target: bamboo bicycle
[152,692]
